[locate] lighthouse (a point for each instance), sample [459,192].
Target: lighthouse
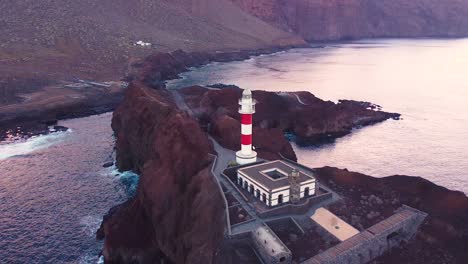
[247,108]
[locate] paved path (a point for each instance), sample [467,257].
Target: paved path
[224,157]
[180,102]
[299,100]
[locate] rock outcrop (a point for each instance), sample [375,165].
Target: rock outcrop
[177,213]
[307,117]
[352,19]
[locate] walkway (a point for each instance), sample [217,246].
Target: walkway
[180,102]
[224,157]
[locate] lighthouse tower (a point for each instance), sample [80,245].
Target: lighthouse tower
[247,108]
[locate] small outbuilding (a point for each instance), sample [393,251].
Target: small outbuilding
[270,248]
[277,182]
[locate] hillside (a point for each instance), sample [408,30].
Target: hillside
[93,39]
[351,19]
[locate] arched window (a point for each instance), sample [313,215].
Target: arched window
[251,188]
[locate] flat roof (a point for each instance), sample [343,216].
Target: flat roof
[333,224]
[255,173]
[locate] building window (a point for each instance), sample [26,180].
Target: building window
[280,199]
[257,193]
[306,192]
[251,188]
[264,198]
[240,181]
[245,184]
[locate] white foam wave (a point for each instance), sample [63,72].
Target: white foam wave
[91,259]
[90,224]
[32,144]
[129,179]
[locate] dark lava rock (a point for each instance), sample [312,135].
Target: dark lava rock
[50,122]
[177,213]
[60,128]
[309,118]
[223,86]
[108,164]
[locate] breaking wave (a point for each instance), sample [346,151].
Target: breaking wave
[31,144]
[128,179]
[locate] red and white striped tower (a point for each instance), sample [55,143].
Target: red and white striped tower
[246,110]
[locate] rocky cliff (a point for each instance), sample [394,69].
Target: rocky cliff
[352,19]
[177,213]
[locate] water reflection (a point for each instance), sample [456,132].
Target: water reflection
[424,80]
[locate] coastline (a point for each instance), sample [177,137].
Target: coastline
[153,133]
[35,114]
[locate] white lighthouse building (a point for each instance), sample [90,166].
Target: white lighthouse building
[247,108]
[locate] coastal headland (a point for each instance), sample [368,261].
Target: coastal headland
[178,212]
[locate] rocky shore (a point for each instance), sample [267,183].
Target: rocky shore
[177,213]
[34,112]
[308,119]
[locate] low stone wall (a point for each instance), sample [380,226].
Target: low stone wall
[235,187]
[296,208]
[374,241]
[245,222]
[228,222]
[245,235]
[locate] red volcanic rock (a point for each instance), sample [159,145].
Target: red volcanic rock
[351,19]
[177,212]
[308,117]
[443,236]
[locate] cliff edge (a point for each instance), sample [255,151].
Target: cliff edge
[177,213]
[353,19]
